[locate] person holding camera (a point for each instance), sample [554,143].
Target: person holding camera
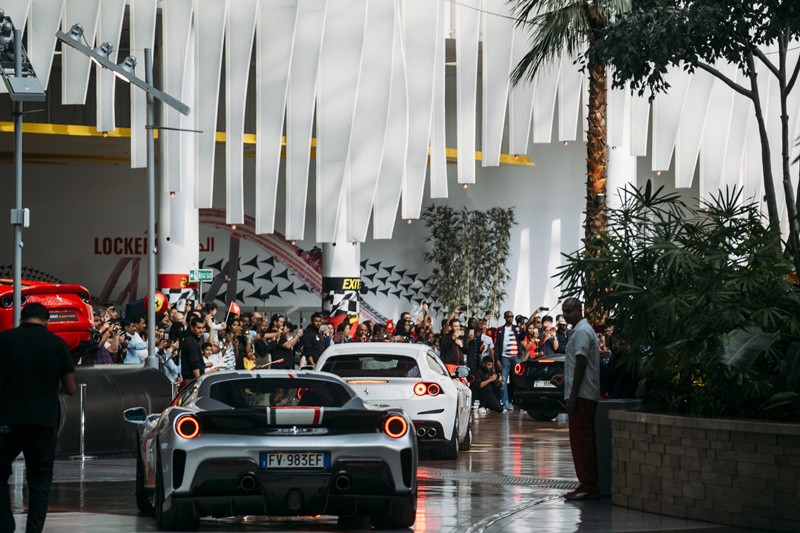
[486,386]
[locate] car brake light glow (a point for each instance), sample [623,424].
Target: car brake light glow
[395,426]
[431,389]
[519,369]
[187,427]
[545,361]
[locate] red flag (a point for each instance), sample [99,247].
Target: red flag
[390,326]
[234,309]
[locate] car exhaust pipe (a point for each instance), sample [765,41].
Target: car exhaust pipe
[432,432]
[421,432]
[342,483]
[248,482]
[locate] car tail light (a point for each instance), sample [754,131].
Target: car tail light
[431,389]
[545,361]
[395,426]
[519,369]
[187,427]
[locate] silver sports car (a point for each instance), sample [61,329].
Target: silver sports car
[279,443]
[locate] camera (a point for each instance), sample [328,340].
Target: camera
[544,308]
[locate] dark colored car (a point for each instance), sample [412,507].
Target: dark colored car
[71,315]
[542,400]
[533,391]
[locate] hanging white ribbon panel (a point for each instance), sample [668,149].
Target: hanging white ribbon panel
[570,89]
[110,28]
[716,134]
[339,68]
[74,65]
[741,112]
[239,32]
[300,110]
[143,35]
[438,153]
[640,124]
[176,17]
[468,19]
[274,37]
[44,22]
[371,116]
[690,129]
[520,100]
[421,23]
[392,173]
[209,20]
[498,32]
[667,109]
[544,101]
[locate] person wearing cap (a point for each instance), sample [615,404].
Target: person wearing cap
[562,334]
[549,344]
[33,363]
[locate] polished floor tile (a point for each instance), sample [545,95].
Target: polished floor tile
[512,481]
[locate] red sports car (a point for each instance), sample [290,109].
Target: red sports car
[71,315]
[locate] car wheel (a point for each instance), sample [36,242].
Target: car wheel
[402,515]
[176,519]
[142,496]
[542,417]
[466,444]
[450,450]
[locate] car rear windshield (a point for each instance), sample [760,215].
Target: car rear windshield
[280,392]
[362,365]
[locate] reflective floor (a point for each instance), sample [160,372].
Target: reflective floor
[511,481]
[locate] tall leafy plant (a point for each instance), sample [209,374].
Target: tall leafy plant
[469,251]
[703,299]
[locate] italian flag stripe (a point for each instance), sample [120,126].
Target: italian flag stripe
[295,415]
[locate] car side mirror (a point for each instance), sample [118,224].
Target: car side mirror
[462,371]
[135,415]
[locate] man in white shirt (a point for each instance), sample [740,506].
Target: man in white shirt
[509,339]
[581,379]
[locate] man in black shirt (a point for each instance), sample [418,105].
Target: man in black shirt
[450,345]
[486,385]
[33,361]
[313,342]
[192,363]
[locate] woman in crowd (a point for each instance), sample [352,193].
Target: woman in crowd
[531,343]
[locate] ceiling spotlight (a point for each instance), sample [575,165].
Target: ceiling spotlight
[126,68]
[172,194]
[466,186]
[105,134]
[76,32]
[233,227]
[294,243]
[104,50]
[658,173]
[566,143]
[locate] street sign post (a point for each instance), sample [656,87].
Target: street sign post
[199,276]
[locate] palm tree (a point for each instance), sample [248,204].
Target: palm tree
[567,26]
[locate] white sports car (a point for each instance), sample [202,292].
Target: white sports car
[278,443]
[412,377]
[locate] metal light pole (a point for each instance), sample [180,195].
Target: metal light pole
[152,359]
[19,219]
[125,71]
[23,86]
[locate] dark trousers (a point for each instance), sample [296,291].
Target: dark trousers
[489,398]
[38,445]
[583,441]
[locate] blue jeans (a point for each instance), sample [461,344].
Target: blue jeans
[508,363]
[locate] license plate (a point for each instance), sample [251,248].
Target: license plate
[305,460]
[543,383]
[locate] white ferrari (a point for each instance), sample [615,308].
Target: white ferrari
[412,377]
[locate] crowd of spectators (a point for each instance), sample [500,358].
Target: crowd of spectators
[198,340]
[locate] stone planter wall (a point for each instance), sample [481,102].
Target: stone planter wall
[735,472]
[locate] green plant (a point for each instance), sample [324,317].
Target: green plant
[703,298]
[469,250]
